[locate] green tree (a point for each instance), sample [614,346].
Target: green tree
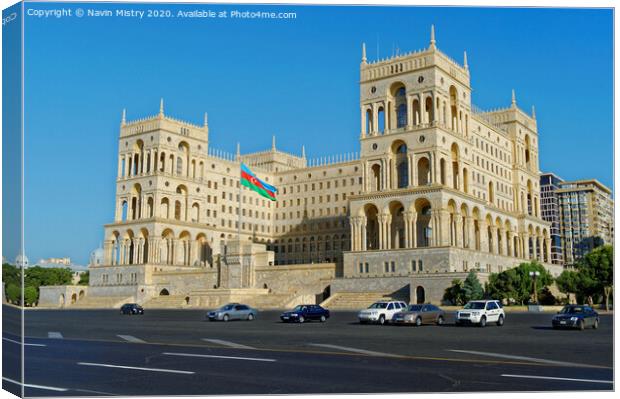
[84,277]
[472,289]
[517,284]
[596,271]
[455,294]
[31,296]
[567,283]
[13,294]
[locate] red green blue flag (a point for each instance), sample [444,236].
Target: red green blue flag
[249,179]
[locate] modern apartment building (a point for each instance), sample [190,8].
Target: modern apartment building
[550,212]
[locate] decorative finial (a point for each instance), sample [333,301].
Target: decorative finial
[303,151]
[432,36]
[161,107]
[533,112]
[124,119]
[363,53]
[206,120]
[238,151]
[514,98]
[465,60]
[273,143]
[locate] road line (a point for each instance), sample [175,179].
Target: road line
[538,377]
[54,334]
[36,386]
[356,350]
[256,359]
[117,366]
[17,342]
[131,338]
[227,343]
[529,359]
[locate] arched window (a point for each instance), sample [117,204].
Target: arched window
[401,115]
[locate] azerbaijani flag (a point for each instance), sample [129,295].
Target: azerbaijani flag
[249,179]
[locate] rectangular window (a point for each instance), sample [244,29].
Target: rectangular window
[420,266]
[413,266]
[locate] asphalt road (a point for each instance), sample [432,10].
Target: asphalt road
[88,352]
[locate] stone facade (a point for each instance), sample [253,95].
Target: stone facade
[438,188]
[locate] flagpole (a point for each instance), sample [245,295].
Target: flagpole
[239,208]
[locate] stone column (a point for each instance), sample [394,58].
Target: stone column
[444,222]
[388,231]
[414,230]
[363,121]
[353,233]
[413,176]
[364,246]
[375,119]
[409,111]
[470,233]
[407,220]
[459,239]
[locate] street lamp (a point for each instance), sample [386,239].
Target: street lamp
[535,275]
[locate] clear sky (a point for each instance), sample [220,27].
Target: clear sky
[297,79]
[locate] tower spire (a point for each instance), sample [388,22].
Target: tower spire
[432,37]
[238,151]
[363,53]
[124,117]
[161,107]
[206,123]
[514,98]
[465,65]
[533,112]
[273,143]
[303,151]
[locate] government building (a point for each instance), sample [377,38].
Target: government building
[437,188]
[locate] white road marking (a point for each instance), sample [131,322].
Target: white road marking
[54,334]
[227,343]
[256,359]
[116,366]
[36,386]
[356,350]
[131,338]
[17,342]
[539,377]
[524,358]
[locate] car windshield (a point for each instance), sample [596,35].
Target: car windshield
[298,308]
[571,309]
[415,308]
[378,305]
[474,305]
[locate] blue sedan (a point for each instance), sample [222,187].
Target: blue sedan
[576,316]
[302,313]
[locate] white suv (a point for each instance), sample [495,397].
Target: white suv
[481,313]
[381,312]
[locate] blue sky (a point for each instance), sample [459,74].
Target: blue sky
[297,79]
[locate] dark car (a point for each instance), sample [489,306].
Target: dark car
[132,308]
[420,314]
[303,313]
[576,316]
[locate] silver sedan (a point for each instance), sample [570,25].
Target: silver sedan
[233,311]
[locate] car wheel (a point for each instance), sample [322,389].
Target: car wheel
[418,321]
[440,320]
[301,319]
[382,319]
[500,321]
[250,317]
[323,319]
[582,325]
[226,317]
[483,321]
[595,325]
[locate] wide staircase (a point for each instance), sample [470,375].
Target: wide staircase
[358,300]
[166,302]
[271,301]
[93,302]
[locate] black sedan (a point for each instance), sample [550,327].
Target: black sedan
[132,308]
[302,313]
[576,316]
